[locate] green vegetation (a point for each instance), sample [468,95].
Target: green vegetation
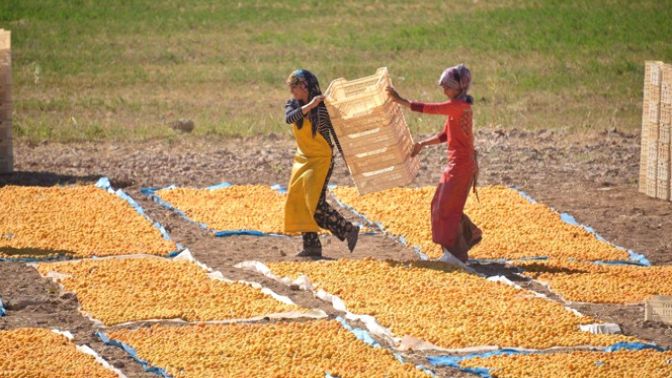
[123,69]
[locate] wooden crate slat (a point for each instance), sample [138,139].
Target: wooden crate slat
[372,131]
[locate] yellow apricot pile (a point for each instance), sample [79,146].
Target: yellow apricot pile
[123,290]
[513,228]
[645,363]
[238,207]
[82,221]
[447,307]
[37,352]
[582,282]
[279,349]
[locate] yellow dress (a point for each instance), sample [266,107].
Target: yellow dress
[309,171]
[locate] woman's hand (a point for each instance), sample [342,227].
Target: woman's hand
[416,149]
[396,97]
[315,101]
[393,93]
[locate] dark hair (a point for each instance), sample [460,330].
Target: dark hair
[307,78]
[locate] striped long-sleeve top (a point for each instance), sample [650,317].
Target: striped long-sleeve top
[294,114]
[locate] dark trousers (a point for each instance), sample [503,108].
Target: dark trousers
[328,218]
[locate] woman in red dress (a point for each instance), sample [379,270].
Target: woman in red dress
[451,228]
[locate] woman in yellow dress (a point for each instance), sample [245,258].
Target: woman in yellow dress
[306,209]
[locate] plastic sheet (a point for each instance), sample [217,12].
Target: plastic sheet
[87,350]
[152,194]
[361,334]
[103,183]
[131,352]
[57,348]
[366,337]
[454,361]
[634,257]
[358,333]
[421,255]
[212,274]
[406,342]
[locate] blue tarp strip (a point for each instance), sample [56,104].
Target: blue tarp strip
[634,346]
[361,334]
[151,193]
[59,257]
[524,195]
[2,309]
[635,257]
[221,185]
[280,188]
[454,361]
[224,234]
[104,183]
[131,352]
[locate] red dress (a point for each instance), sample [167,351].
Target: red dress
[451,228]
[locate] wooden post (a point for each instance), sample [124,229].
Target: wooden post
[6,151]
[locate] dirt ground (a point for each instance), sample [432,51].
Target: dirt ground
[591,176]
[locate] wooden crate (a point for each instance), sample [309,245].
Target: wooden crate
[665,114]
[654,173]
[654,112]
[360,96]
[663,171]
[643,161]
[385,134]
[664,174]
[651,75]
[658,308]
[387,178]
[666,84]
[372,131]
[381,158]
[652,169]
[364,120]
[664,133]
